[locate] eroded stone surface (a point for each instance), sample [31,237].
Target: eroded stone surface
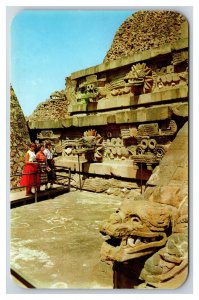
[52,109]
[19,138]
[155,224]
[56,243]
[147,29]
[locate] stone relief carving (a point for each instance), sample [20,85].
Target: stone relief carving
[179,57]
[136,229]
[146,144]
[140,79]
[57,148]
[94,143]
[152,144]
[58,95]
[44,134]
[115,149]
[167,77]
[118,87]
[141,228]
[91,90]
[90,145]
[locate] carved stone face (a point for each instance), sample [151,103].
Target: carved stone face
[137,78]
[140,78]
[91,88]
[137,229]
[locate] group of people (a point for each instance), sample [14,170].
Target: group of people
[39,168]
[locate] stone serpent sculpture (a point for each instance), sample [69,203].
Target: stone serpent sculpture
[153,227]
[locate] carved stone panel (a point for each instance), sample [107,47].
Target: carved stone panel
[91,89]
[140,79]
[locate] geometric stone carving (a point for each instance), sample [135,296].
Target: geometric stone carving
[148,129]
[172,79]
[115,149]
[153,129]
[151,147]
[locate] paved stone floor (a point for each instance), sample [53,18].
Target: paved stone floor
[56,243]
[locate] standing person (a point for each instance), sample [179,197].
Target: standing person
[41,159]
[30,176]
[50,164]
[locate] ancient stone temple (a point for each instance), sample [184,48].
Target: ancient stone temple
[115,121]
[19,138]
[122,128]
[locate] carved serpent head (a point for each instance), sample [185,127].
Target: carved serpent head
[138,228]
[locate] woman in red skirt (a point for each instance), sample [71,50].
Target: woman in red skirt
[30,176]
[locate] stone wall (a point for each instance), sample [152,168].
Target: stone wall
[52,109]
[19,138]
[145,30]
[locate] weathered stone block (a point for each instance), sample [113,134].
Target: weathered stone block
[68,122]
[77,107]
[181,109]
[181,174]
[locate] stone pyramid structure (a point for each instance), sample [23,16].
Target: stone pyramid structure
[19,138]
[145,30]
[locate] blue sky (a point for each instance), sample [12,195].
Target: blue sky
[48,45]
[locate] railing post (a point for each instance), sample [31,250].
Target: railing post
[141,177]
[80,184]
[69,177]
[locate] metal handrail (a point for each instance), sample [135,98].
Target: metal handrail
[35,183]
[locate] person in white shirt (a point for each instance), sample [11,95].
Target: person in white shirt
[50,164]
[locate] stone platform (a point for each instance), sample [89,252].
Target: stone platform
[56,243]
[18,198]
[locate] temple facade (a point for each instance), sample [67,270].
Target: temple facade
[122,129]
[114,122]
